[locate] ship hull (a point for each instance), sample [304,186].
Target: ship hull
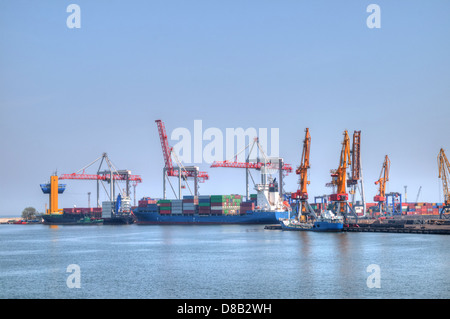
[119,220]
[318,226]
[60,219]
[257,217]
[68,219]
[328,227]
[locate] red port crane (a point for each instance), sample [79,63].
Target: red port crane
[102,177]
[268,164]
[180,171]
[117,175]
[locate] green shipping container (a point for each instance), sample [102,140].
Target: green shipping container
[165,208]
[204,204]
[229,199]
[218,198]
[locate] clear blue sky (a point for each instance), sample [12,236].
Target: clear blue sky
[67,95]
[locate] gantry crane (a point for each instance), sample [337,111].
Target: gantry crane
[301,195]
[180,171]
[339,180]
[267,164]
[105,175]
[380,198]
[112,175]
[444,174]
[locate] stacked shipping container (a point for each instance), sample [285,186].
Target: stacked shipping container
[177,206]
[189,205]
[246,206]
[411,208]
[165,206]
[92,211]
[422,208]
[146,201]
[225,204]
[204,205]
[233,205]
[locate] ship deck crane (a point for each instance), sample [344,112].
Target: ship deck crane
[264,166]
[180,171]
[339,180]
[302,170]
[444,175]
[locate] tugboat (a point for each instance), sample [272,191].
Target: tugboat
[86,220]
[329,222]
[326,222]
[294,224]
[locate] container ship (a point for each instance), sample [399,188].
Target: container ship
[117,212]
[265,207]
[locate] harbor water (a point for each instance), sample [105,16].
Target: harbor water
[217,262]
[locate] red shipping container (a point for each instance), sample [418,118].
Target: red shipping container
[191,201]
[217,204]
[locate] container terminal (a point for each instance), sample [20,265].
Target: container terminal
[270,205]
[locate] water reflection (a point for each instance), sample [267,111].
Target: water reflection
[220,262]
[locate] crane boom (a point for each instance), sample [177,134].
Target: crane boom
[166,149]
[340,175]
[105,177]
[302,170]
[180,171]
[257,166]
[444,174]
[344,162]
[382,180]
[356,159]
[167,154]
